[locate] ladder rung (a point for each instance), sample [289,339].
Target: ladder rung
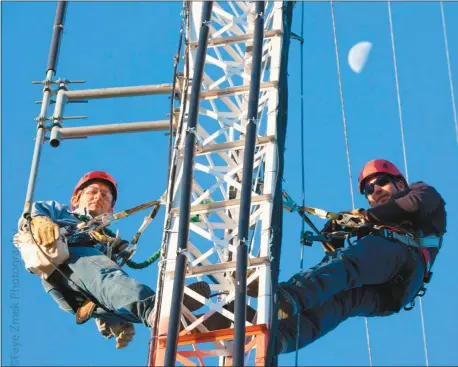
[218,205]
[215,93]
[204,353]
[219,41]
[126,127]
[234,145]
[215,335]
[253,262]
[140,90]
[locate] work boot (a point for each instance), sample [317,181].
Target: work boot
[218,321]
[287,305]
[252,289]
[200,287]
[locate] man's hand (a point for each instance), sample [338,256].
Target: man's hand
[360,213]
[45,231]
[365,230]
[332,226]
[123,331]
[353,218]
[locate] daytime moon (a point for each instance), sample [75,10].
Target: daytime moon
[358,55]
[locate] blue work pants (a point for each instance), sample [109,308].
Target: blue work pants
[95,273]
[351,282]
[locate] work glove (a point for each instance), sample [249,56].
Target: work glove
[364,230]
[353,218]
[332,226]
[123,331]
[45,231]
[360,213]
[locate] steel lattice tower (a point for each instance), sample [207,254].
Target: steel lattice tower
[216,187]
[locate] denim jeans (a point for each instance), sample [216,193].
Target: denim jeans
[347,284]
[94,272]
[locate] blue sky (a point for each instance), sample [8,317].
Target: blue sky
[121,44]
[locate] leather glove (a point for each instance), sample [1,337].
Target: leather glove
[353,218]
[364,230]
[332,226]
[45,231]
[361,213]
[123,331]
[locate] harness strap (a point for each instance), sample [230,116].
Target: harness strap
[83,311]
[408,239]
[56,280]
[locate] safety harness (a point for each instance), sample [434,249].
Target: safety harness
[422,244]
[352,222]
[90,232]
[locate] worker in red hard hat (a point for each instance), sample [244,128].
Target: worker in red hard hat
[95,179]
[381,273]
[380,168]
[88,281]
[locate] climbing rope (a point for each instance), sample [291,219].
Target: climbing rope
[301,266]
[342,104]
[450,79]
[398,93]
[347,148]
[405,156]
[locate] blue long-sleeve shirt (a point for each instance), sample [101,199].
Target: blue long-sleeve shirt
[58,213]
[64,217]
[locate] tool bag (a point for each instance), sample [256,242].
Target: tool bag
[34,255]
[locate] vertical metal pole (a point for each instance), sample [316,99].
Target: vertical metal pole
[188,163]
[50,71]
[301,267]
[57,35]
[246,191]
[61,99]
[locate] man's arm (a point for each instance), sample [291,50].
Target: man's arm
[51,209]
[44,228]
[416,201]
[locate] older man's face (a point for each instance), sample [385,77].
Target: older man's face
[96,198]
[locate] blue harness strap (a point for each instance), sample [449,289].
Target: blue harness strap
[422,243]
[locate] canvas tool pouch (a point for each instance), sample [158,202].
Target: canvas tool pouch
[34,255]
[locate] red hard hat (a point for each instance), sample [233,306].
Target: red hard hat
[92,176]
[378,166]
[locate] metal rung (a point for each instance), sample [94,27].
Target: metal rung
[218,205]
[126,127]
[215,93]
[219,41]
[215,335]
[253,262]
[234,145]
[140,90]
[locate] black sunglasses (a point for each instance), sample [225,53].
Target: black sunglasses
[380,181]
